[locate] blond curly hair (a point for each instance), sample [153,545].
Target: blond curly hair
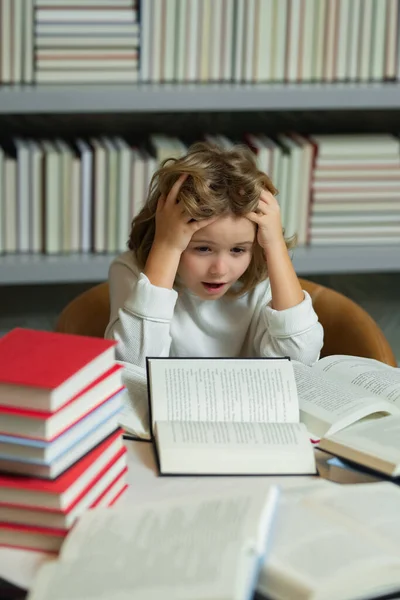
[220,182]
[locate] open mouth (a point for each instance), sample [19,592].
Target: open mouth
[213,287]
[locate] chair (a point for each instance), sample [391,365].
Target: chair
[349,329]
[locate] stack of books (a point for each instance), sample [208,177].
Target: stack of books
[355,190]
[86,42]
[61,449]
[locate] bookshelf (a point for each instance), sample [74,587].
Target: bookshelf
[22,269]
[151,98]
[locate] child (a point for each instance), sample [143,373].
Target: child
[208,272]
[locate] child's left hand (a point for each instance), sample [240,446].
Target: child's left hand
[268,219]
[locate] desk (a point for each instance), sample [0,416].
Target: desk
[19,566]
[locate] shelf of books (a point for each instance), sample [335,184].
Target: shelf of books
[20,269]
[163,97]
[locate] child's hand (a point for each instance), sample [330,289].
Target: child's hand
[174,227]
[268,219]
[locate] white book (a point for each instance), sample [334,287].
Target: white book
[85,3]
[24,188]
[100,190]
[377,65]
[138,187]
[89,29]
[17,40]
[344,206]
[355,218]
[293,41]
[370,174]
[86,195]
[146,39]
[336,240]
[336,542]
[216,39]
[228,33]
[264,42]
[343,39]
[354,39]
[76,204]
[283,182]
[377,195]
[239,40]
[320,9]
[280,15]
[156,49]
[207,14]
[97,65]
[168,52]
[366,40]
[231,529]
[10,205]
[124,192]
[112,208]
[250,41]
[330,39]
[75,76]
[36,197]
[6,42]
[150,167]
[290,206]
[79,15]
[372,444]
[236,419]
[52,202]
[304,193]
[193,40]
[73,41]
[66,157]
[28,43]
[392,17]
[308,35]
[180,42]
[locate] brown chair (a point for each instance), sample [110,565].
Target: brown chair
[348,328]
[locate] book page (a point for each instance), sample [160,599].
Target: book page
[378,438]
[326,406]
[370,376]
[313,553]
[184,548]
[246,448]
[246,390]
[246,436]
[375,505]
[134,417]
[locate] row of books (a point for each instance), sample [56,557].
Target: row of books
[46,41]
[80,197]
[61,449]
[269,40]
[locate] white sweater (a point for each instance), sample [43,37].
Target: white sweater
[147,320]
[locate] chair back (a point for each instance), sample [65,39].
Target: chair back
[348,328]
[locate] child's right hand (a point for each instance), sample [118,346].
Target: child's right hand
[174,227]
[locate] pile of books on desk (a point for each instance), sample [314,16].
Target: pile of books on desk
[61,450]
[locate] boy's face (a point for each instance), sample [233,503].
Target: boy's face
[217,256]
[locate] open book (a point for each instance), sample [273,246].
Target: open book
[227,416]
[374,444]
[340,542]
[340,390]
[184,548]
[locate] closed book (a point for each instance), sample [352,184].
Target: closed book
[42,370]
[63,492]
[49,425]
[100,494]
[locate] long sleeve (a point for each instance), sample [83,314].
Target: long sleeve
[294,332]
[140,313]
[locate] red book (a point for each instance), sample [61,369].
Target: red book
[62,493]
[40,425]
[42,370]
[50,539]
